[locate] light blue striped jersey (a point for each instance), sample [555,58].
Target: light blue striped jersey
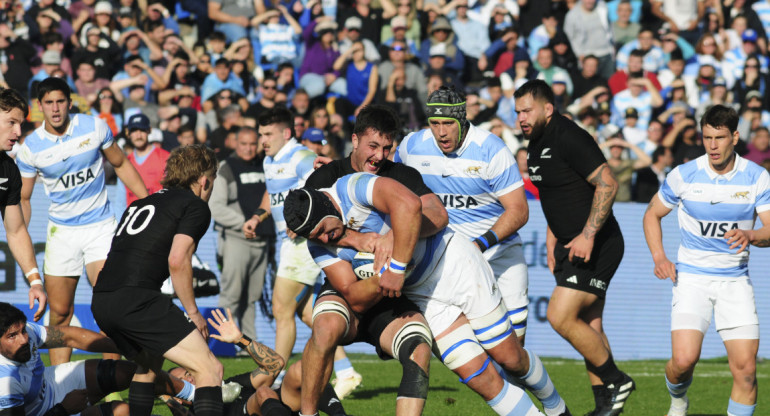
[354,195]
[71,168]
[22,384]
[285,171]
[710,205]
[469,181]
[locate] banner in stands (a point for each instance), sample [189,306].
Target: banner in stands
[636,316]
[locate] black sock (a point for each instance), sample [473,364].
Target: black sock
[141,397]
[609,372]
[599,392]
[273,407]
[329,403]
[208,401]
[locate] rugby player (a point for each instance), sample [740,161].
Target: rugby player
[157,236]
[13,111]
[719,195]
[453,304]
[67,152]
[584,243]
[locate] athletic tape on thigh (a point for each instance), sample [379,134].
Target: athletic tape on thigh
[518,318]
[459,347]
[492,328]
[105,376]
[411,329]
[332,306]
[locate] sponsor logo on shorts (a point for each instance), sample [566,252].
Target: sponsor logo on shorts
[572,279]
[598,284]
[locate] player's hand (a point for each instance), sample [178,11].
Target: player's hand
[228,330]
[200,323]
[249,227]
[580,247]
[383,250]
[291,234]
[739,238]
[37,293]
[75,401]
[664,269]
[391,284]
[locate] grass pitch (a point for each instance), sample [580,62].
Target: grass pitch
[708,394]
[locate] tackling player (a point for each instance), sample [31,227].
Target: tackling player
[13,110]
[719,195]
[157,236]
[467,316]
[67,152]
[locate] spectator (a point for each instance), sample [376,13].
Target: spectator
[406,20]
[398,29]
[300,103]
[622,167]
[148,159]
[108,108]
[437,66]
[503,53]
[360,74]
[650,178]
[267,92]
[682,16]
[623,29]
[55,42]
[51,62]
[441,33]
[563,56]
[588,30]
[202,69]
[235,19]
[547,71]
[105,22]
[640,94]
[404,101]
[159,16]
[135,72]
[352,34]
[104,59]
[277,40]
[186,135]
[753,114]
[178,80]
[222,78]
[684,141]
[239,182]
[654,137]
[498,16]
[752,80]
[675,71]
[374,18]
[588,78]
[397,59]
[317,72]
[222,139]
[541,36]
[135,42]
[619,79]
[653,59]
[16,56]
[735,58]
[759,146]
[718,95]
[314,140]
[136,102]
[87,84]
[561,97]
[472,39]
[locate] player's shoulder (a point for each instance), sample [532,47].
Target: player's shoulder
[415,139]
[750,169]
[488,142]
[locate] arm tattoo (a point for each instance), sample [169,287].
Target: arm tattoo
[270,363]
[604,196]
[55,338]
[762,243]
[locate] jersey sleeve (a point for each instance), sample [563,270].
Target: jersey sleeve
[762,203]
[323,255]
[103,131]
[503,172]
[304,165]
[37,334]
[195,220]
[581,151]
[14,184]
[670,191]
[11,390]
[360,189]
[401,152]
[24,162]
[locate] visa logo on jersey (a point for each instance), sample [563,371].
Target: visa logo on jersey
[76,178]
[458,201]
[713,229]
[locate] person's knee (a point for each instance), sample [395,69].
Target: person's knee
[744,370]
[684,361]
[264,393]
[114,375]
[327,337]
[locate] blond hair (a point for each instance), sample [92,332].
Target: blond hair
[188,163]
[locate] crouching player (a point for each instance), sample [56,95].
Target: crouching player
[256,395]
[466,315]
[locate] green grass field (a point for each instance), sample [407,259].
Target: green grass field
[708,395]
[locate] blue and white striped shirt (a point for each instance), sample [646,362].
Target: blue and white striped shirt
[354,194]
[285,171]
[71,168]
[710,205]
[469,181]
[22,384]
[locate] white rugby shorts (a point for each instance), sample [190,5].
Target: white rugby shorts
[731,302]
[296,263]
[510,271]
[461,283]
[62,379]
[69,249]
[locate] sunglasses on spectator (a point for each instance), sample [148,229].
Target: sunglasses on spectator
[105,96]
[225,97]
[397,48]
[268,87]
[752,66]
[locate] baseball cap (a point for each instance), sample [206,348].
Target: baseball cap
[631,112]
[353,22]
[314,135]
[138,122]
[398,22]
[51,58]
[603,107]
[559,78]
[753,94]
[324,26]
[441,23]
[749,35]
[125,11]
[438,49]
[499,8]
[103,7]
[719,82]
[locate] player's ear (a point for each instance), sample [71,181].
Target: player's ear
[355,141]
[206,183]
[548,110]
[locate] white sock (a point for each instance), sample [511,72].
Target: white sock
[512,401]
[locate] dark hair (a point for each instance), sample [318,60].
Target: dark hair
[184,128]
[186,164]
[217,35]
[277,115]
[720,116]
[180,54]
[638,53]
[539,90]
[658,153]
[53,84]
[9,315]
[51,37]
[10,99]
[380,118]
[151,25]
[115,108]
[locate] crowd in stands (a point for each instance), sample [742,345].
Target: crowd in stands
[637,75]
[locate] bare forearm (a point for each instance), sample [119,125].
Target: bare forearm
[269,362]
[604,195]
[181,278]
[509,223]
[26,209]
[130,177]
[363,294]
[22,249]
[82,339]
[761,237]
[434,216]
[653,233]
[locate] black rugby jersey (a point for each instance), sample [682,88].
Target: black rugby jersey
[10,182]
[325,176]
[139,253]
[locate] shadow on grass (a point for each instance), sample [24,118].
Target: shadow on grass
[371,393]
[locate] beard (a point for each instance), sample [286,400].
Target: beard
[536,129]
[23,355]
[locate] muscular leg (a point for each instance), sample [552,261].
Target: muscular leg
[104,377]
[592,315]
[92,271]
[284,307]
[329,330]
[564,312]
[193,354]
[685,352]
[61,297]
[742,356]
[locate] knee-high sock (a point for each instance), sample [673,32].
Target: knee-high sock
[539,383]
[737,409]
[512,401]
[141,397]
[208,401]
[329,403]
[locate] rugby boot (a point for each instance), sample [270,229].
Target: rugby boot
[343,387]
[680,408]
[617,394]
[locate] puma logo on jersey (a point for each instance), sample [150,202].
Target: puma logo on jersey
[534,168]
[279,171]
[84,143]
[741,195]
[473,169]
[544,154]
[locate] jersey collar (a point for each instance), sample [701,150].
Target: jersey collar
[739,165]
[292,143]
[52,137]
